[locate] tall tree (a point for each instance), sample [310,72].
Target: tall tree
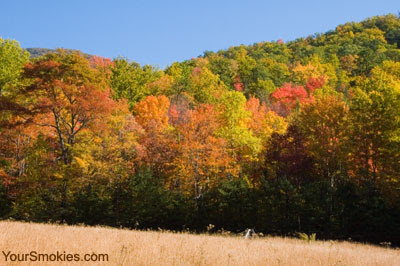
[73,94]
[375,119]
[234,119]
[73,97]
[324,122]
[154,148]
[14,137]
[202,159]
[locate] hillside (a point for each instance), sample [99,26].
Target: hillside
[125,247]
[352,49]
[283,137]
[36,52]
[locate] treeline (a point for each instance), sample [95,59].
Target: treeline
[290,137]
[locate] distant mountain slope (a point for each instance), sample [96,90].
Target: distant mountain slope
[36,52]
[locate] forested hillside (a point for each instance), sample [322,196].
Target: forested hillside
[283,137]
[37,52]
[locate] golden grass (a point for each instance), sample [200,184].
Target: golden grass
[126,247]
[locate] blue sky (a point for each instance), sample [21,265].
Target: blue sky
[161,32]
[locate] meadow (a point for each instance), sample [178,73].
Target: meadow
[130,247]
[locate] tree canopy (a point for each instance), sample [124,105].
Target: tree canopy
[284,137]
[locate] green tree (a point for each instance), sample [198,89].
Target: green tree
[375,119]
[234,126]
[12,59]
[324,122]
[129,80]
[204,86]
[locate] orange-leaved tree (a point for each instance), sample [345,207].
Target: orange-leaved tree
[203,159]
[154,149]
[72,97]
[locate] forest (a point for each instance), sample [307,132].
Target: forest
[282,137]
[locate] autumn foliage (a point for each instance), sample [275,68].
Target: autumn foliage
[284,137]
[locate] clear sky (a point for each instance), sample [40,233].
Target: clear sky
[161,32]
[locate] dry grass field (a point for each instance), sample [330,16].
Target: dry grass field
[126,247]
